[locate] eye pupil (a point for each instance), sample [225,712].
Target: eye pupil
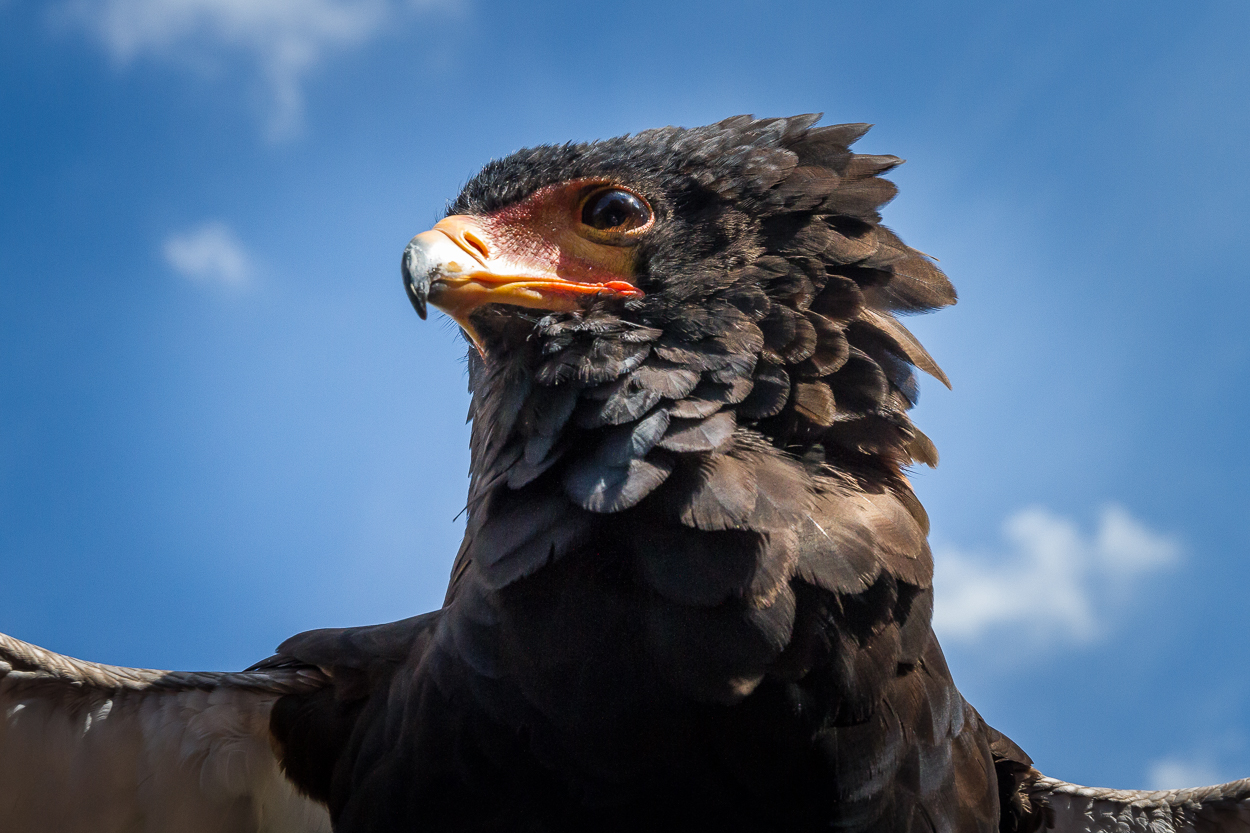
[615,210]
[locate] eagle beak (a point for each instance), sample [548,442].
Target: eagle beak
[418,273]
[452,251]
[457,267]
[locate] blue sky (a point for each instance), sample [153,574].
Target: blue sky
[221,423]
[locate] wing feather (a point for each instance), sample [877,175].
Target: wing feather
[86,747]
[1071,808]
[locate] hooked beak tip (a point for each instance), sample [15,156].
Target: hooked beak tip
[416,276]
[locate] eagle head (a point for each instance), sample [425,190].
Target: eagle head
[745,258]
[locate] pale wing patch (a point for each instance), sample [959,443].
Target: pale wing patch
[144,758]
[1223,808]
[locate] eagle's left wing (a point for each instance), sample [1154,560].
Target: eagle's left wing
[1059,806]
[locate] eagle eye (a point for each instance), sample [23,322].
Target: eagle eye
[615,210]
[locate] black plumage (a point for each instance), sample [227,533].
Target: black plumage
[695,589]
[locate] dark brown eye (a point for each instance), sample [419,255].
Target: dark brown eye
[615,210]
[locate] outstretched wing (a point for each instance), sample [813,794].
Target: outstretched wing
[1071,808]
[99,748]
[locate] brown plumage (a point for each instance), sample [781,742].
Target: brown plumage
[695,589]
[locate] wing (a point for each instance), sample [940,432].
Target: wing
[90,747]
[1071,808]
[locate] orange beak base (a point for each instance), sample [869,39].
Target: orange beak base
[453,266]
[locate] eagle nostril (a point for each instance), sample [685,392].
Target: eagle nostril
[476,244]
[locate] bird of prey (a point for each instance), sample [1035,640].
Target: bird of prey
[694,592]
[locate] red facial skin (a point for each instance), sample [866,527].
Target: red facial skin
[536,253]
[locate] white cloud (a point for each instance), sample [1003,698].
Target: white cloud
[1054,580]
[285,38]
[209,253]
[1178,773]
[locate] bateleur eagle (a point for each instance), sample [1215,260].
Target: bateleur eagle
[694,591]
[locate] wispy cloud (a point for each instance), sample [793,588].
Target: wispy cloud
[210,253]
[1052,580]
[1178,773]
[286,39]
